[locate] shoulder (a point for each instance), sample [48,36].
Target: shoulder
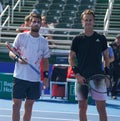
[22,37]
[79,37]
[43,40]
[23,34]
[100,36]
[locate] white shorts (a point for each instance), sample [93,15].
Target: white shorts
[92,93]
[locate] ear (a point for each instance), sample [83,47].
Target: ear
[82,22]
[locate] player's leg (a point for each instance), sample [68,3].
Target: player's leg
[82,110]
[101,108]
[16,104]
[32,93]
[82,105]
[28,110]
[17,96]
[100,101]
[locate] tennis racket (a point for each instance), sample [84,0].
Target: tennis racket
[97,83]
[17,53]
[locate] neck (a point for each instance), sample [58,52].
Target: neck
[34,34]
[88,32]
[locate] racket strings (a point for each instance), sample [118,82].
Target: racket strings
[96,83]
[98,80]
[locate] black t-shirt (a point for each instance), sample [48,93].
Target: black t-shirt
[89,53]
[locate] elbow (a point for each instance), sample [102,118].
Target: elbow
[69,59]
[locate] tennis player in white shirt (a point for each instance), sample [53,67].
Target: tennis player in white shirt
[26,82]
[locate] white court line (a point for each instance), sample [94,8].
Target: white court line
[33,117]
[5,109]
[5,116]
[56,119]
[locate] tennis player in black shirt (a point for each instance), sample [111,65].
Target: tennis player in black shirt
[88,48]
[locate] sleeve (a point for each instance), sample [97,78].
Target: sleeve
[21,39]
[46,51]
[74,44]
[16,41]
[104,42]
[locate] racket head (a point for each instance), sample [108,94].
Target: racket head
[97,83]
[83,90]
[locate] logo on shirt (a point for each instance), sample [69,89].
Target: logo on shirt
[97,40]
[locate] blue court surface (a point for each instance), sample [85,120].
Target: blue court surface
[60,110]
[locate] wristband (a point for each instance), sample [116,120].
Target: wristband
[75,69]
[16,58]
[45,74]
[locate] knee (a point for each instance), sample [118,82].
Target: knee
[101,110]
[16,106]
[28,106]
[82,107]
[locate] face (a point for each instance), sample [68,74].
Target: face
[35,24]
[43,21]
[88,21]
[27,23]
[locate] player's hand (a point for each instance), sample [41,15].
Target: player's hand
[80,79]
[107,71]
[22,61]
[45,83]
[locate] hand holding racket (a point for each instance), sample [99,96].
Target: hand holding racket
[18,54]
[97,83]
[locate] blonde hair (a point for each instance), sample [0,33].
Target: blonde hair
[88,12]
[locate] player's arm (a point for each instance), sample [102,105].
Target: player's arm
[45,63]
[106,58]
[106,66]
[12,55]
[16,58]
[71,60]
